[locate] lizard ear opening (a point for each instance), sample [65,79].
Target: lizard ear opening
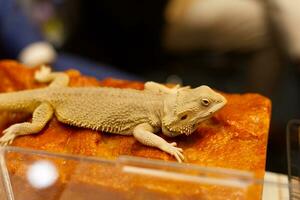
[184,117]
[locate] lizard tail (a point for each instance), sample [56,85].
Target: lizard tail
[18,101]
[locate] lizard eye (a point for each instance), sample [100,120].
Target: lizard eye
[183,117]
[205,102]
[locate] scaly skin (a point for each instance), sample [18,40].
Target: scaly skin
[121,111]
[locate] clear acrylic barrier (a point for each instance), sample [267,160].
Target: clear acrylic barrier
[32,174]
[293,155]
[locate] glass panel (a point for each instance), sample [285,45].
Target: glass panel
[293,151]
[31,174]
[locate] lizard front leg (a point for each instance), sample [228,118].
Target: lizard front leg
[41,115]
[57,79]
[144,134]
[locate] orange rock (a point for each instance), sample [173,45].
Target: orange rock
[236,137]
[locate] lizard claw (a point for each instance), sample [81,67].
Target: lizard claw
[174,151]
[174,144]
[6,140]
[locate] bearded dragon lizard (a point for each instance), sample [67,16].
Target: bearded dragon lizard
[140,113]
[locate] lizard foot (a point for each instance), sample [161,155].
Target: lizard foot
[9,135]
[174,151]
[42,74]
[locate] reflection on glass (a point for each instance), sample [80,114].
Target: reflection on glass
[42,174]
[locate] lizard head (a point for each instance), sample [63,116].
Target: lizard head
[185,109]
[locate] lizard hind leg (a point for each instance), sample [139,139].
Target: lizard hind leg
[57,79]
[41,115]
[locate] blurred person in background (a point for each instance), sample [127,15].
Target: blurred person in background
[155,38]
[140,33]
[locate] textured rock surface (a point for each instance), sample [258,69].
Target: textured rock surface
[236,137]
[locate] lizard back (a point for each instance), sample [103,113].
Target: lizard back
[107,109]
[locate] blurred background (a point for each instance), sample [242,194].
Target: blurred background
[235,46]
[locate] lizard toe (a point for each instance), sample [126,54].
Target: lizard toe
[174,144]
[175,151]
[178,158]
[41,74]
[181,155]
[8,138]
